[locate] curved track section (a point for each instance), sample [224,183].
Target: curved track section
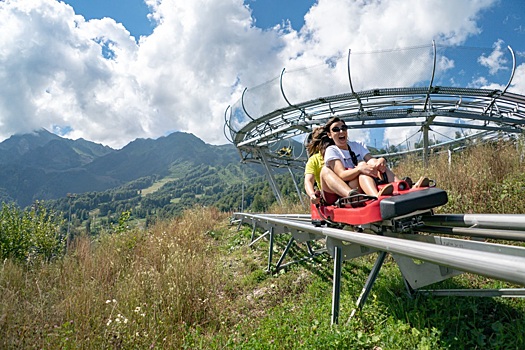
[443,256]
[264,122]
[485,112]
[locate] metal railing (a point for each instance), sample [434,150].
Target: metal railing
[443,257]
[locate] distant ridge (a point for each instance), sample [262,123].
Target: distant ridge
[43,166]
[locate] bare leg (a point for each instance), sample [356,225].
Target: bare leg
[368,185]
[330,182]
[382,168]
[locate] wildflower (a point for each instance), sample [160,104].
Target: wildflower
[109,322]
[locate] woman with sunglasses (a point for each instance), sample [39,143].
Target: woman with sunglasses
[354,164]
[318,141]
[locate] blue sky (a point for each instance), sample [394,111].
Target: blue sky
[73,68]
[133,13]
[504,20]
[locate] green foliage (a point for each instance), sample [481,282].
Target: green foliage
[222,187]
[32,234]
[511,193]
[48,239]
[123,222]
[14,234]
[193,282]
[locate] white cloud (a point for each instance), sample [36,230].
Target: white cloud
[518,83]
[91,79]
[496,60]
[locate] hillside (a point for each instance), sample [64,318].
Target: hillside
[44,166]
[197,282]
[150,178]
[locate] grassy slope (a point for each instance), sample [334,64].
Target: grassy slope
[194,283]
[157,185]
[228,175]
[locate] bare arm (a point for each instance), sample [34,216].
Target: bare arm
[351,174]
[379,164]
[309,181]
[346,174]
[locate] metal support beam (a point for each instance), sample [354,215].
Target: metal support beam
[283,255]
[369,282]
[270,251]
[253,241]
[299,193]
[336,290]
[271,179]
[425,129]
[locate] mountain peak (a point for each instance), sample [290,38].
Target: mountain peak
[23,143]
[42,165]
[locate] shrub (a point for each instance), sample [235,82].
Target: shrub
[30,235]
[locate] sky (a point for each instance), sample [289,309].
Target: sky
[112,71]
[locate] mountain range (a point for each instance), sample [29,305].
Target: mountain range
[44,166]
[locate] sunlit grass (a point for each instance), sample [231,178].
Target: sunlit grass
[483,179]
[194,282]
[134,289]
[157,185]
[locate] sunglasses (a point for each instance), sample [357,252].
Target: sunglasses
[341,128]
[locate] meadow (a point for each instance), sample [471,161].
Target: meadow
[192,282]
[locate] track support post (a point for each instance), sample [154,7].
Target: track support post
[336,291]
[369,283]
[270,250]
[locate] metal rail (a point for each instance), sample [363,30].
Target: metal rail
[385,106]
[443,257]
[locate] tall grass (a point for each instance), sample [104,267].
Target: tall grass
[194,282]
[131,290]
[487,178]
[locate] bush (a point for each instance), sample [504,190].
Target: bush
[30,235]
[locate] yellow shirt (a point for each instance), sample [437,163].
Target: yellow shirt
[313,166]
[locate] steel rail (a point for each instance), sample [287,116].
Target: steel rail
[497,261]
[492,265]
[499,234]
[497,221]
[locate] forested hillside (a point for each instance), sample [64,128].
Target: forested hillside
[45,167]
[150,179]
[221,187]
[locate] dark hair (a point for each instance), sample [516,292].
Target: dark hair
[327,128]
[318,141]
[332,121]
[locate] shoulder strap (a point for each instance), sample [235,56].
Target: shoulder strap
[352,155]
